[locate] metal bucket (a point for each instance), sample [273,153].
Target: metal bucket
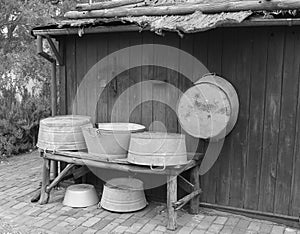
[209,109]
[63,132]
[123,195]
[110,139]
[80,195]
[157,149]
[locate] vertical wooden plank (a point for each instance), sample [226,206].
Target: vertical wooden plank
[229,56]
[147,74]
[135,78]
[287,126]
[121,107]
[201,53]
[102,104]
[184,83]
[113,45]
[81,68]
[92,53]
[271,120]
[91,60]
[240,136]
[228,60]
[214,65]
[71,72]
[256,114]
[294,205]
[172,94]
[159,89]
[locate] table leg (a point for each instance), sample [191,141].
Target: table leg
[171,197]
[195,180]
[45,182]
[53,170]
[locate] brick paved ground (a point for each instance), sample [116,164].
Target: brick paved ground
[20,176]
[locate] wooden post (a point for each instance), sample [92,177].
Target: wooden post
[45,182]
[46,169]
[53,89]
[53,112]
[171,198]
[195,180]
[63,109]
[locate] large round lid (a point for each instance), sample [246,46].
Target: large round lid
[206,109]
[66,120]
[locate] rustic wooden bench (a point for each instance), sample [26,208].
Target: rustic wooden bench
[174,178]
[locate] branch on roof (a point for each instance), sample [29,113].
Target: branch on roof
[106,4]
[188,8]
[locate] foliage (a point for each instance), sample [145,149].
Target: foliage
[24,76]
[19,121]
[17,46]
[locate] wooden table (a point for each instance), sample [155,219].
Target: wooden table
[174,178]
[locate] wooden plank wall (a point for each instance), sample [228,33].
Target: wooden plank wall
[259,166]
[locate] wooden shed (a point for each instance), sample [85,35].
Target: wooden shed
[259,53]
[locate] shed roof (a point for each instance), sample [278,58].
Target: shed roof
[192,21]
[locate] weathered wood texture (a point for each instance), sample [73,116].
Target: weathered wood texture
[105,5]
[258,167]
[188,9]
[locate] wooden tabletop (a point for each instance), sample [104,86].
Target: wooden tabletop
[103,161]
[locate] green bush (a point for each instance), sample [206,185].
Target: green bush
[19,120]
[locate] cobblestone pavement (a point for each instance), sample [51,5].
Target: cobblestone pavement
[19,179]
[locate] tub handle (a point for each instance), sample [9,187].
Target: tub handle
[209,74]
[91,132]
[159,169]
[98,132]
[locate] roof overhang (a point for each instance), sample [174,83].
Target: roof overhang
[94,29]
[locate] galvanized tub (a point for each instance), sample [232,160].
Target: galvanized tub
[110,139]
[63,132]
[157,149]
[209,110]
[80,195]
[123,195]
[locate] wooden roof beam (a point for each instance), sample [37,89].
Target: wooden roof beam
[188,8]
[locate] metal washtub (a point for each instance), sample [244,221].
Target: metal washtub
[209,110]
[157,149]
[63,132]
[110,139]
[123,195]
